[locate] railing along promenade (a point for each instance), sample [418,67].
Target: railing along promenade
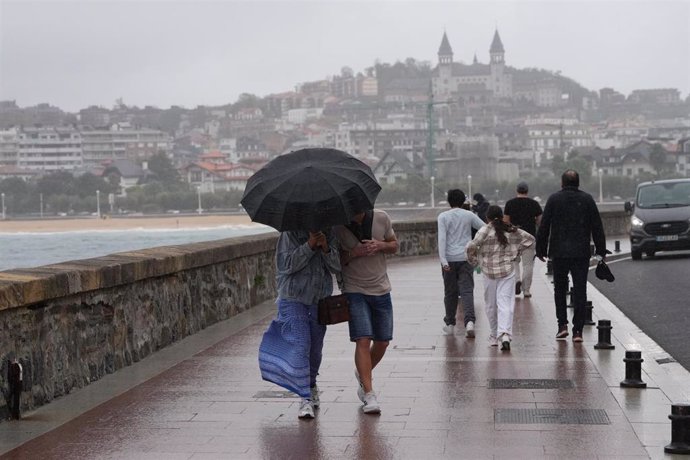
[71,323]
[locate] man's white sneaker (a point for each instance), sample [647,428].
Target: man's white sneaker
[371,405]
[493,341]
[469,329]
[306,409]
[449,329]
[315,399]
[527,294]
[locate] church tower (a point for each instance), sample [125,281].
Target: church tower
[445,52]
[501,83]
[444,82]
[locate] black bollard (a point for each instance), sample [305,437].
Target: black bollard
[570,299]
[617,246]
[633,370]
[588,314]
[549,268]
[680,429]
[604,328]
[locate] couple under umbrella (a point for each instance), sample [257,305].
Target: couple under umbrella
[303,194]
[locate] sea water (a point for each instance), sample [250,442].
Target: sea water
[33,249]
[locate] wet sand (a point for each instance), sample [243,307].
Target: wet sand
[121,223]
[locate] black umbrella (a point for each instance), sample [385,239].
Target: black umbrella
[310,189]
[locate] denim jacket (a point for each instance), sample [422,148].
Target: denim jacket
[303,274]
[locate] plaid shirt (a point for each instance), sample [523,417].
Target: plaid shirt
[495,259]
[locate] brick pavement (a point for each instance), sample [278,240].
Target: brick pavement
[204,398]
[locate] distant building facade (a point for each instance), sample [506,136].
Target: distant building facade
[49,149]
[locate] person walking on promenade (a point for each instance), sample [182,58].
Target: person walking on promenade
[525,213]
[15,380]
[454,232]
[570,221]
[291,350]
[364,245]
[480,206]
[495,248]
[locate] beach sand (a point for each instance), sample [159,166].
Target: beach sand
[121,223]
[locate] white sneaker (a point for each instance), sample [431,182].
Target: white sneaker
[449,329]
[469,330]
[306,409]
[371,405]
[315,399]
[360,388]
[527,294]
[493,341]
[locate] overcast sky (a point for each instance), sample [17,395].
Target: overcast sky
[159,52]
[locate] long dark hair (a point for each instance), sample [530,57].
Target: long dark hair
[495,217]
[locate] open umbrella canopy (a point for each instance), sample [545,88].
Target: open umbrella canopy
[310,189]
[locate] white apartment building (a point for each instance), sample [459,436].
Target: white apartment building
[123,142]
[399,133]
[49,149]
[549,137]
[9,147]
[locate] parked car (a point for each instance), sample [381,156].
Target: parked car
[660,219]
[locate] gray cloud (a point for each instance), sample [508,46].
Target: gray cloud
[78,53]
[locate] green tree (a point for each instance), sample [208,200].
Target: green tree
[165,172]
[87,185]
[657,159]
[56,183]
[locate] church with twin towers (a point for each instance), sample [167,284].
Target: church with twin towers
[474,83]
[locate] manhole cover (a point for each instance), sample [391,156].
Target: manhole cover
[275,394]
[552,416]
[530,384]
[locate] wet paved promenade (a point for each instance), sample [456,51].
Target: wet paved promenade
[204,398]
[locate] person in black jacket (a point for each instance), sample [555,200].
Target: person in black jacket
[570,221]
[15,378]
[481,206]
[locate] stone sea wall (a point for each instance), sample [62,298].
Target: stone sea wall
[69,324]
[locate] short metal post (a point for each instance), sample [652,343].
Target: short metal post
[571,304]
[549,268]
[680,429]
[588,314]
[604,328]
[617,246]
[633,370]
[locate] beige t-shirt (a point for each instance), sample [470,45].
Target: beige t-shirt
[367,275]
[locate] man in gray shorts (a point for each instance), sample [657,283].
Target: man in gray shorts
[364,245]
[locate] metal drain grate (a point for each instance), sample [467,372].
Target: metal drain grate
[275,394]
[530,384]
[666,360]
[552,416]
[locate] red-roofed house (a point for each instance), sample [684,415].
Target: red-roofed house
[213,176]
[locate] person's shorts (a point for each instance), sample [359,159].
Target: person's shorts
[371,316]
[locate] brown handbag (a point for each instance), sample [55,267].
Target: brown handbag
[334,309]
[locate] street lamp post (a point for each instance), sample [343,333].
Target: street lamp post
[3,206]
[41,195]
[198,194]
[469,187]
[601,191]
[433,200]
[98,203]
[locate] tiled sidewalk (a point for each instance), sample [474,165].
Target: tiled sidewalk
[434,391]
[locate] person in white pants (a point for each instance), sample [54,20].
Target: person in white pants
[495,247]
